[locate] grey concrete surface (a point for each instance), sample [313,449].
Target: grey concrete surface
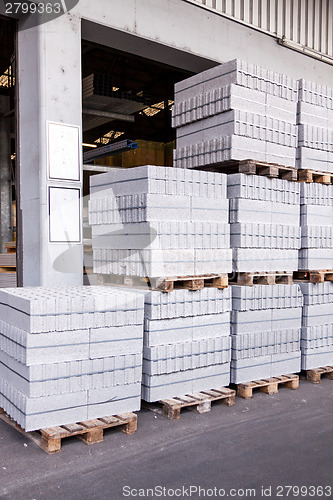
[283,439]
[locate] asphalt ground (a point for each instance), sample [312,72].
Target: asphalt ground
[270,441]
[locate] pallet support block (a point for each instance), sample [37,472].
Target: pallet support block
[314,276]
[272,171]
[266,280]
[93,436]
[314,375]
[132,424]
[51,445]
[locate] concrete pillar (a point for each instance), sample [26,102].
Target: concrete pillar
[50,153]
[5,175]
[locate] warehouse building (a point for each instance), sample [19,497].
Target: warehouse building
[49,108]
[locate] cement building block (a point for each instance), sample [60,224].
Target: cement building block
[52,419]
[240,73]
[108,395]
[313,159]
[285,364]
[316,358]
[260,297]
[251,321]
[186,329]
[287,318]
[265,260]
[317,215]
[315,258]
[215,209]
[317,314]
[116,341]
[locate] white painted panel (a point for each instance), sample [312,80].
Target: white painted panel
[264,15]
[330,29]
[298,21]
[307,22]
[323,27]
[63,151]
[302,23]
[237,6]
[287,17]
[64,215]
[317,24]
[229,7]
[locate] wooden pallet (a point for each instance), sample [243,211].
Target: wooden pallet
[166,284]
[8,279]
[315,375]
[269,386]
[250,279]
[8,266]
[10,246]
[8,260]
[314,276]
[200,401]
[307,175]
[90,432]
[253,167]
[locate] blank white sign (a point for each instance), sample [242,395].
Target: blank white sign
[64,214]
[63,152]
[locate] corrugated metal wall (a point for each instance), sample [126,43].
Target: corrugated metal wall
[305,22]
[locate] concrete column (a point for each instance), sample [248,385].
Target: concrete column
[5,175]
[50,153]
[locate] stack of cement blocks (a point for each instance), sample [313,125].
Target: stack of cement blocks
[315,127]
[187,344]
[264,222]
[317,325]
[160,222]
[317,227]
[235,111]
[69,354]
[266,331]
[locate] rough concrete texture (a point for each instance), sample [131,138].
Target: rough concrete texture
[162,453]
